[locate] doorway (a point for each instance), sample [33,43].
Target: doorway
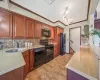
[74,39]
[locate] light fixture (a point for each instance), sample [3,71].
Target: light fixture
[65,16]
[49,1]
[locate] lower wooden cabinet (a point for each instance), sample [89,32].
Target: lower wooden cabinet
[29,60]
[16,74]
[26,58]
[55,51]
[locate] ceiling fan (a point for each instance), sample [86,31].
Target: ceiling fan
[49,1]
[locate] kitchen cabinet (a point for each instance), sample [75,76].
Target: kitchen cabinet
[16,74]
[55,51]
[26,58]
[31,53]
[19,27]
[52,32]
[38,29]
[29,28]
[5,24]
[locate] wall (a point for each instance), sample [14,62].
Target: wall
[5,4]
[66,30]
[91,26]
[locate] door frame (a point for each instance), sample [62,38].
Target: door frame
[70,34]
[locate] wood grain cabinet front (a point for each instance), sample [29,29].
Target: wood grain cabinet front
[55,51]
[38,29]
[19,27]
[5,24]
[31,60]
[52,32]
[26,58]
[29,28]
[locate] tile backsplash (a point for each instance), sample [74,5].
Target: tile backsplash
[9,43]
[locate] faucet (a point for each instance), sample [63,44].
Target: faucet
[17,44]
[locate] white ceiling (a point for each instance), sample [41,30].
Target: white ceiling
[98,7]
[77,9]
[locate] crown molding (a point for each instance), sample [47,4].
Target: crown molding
[89,1]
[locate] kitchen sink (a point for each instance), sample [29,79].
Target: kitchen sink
[15,50]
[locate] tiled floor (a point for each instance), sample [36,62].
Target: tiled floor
[53,70]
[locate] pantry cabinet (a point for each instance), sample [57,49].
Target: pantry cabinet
[29,28]
[19,27]
[5,24]
[38,29]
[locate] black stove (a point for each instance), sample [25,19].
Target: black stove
[49,49]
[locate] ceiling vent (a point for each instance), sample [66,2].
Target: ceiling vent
[49,1]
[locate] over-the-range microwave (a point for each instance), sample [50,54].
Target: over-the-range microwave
[46,33]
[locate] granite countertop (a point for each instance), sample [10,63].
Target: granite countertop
[84,63]
[11,61]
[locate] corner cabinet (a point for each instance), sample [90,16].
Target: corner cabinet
[38,29]
[5,24]
[19,27]
[52,32]
[29,28]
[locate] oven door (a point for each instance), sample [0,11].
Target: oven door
[49,54]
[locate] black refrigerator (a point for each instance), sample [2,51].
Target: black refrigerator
[62,43]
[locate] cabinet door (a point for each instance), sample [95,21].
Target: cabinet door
[19,26]
[5,24]
[31,60]
[30,28]
[38,29]
[61,30]
[26,58]
[52,32]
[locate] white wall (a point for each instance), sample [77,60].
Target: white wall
[5,4]
[91,26]
[66,30]
[98,10]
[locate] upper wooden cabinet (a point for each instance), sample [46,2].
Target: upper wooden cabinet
[38,29]
[19,27]
[5,24]
[31,55]
[29,28]
[52,32]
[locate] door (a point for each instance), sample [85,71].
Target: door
[30,28]
[19,26]
[5,24]
[75,39]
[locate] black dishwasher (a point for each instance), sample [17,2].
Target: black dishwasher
[39,56]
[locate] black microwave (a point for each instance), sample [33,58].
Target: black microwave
[46,33]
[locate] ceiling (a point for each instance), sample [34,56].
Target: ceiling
[77,9]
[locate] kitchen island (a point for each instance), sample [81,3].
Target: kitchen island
[83,65]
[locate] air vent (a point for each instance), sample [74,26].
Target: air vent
[49,1]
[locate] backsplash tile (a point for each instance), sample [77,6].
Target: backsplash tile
[9,43]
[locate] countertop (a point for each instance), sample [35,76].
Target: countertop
[96,50]
[84,63]
[11,61]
